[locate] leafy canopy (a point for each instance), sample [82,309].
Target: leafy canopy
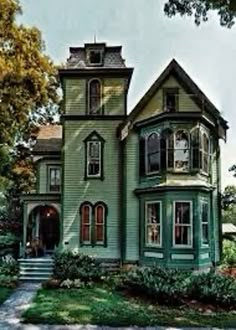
[226,10]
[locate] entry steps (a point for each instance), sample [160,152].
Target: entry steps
[36,269]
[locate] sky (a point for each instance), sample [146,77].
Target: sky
[150,40]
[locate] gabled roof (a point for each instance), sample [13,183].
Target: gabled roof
[49,140]
[187,83]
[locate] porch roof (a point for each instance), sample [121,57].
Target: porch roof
[56,197]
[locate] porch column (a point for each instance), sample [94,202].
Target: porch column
[25,224]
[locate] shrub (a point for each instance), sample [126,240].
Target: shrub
[213,288]
[51,283]
[229,253]
[71,284]
[7,281]
[167,286]
[72,265]
[9,266]
[8,239]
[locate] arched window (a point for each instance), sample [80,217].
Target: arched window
[153,153]
[181,153]
[94,97]
[100,223]
[204,152]
[86,223]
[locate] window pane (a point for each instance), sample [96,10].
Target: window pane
[205,239]
[204,219]
[55,179]
[86,214]
[170,101]
[85,223]
[182,235]
[86,233]
[94,158]
[99,233]
[153,228]
[99,214]
[182,213]
[94,97]
[153,153]
[181,151]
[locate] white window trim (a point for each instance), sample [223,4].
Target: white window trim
[100,159]
[201,222]
[103,223]
[182,246]
[49,168]
[146,153]
[88,96]
[90,225]
[145,222]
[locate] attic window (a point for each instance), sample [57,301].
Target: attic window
[95,57]
[171,99]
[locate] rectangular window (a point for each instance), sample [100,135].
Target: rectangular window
[171,99]
[204,223]
[182,224]
[153,236]
[54,179]
[94,159]
[95,57]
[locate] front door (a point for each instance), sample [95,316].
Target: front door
[49,228]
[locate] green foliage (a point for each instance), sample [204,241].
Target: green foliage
[200,8]
[167,286]
[4,294]
[72,265]
[213,288]
[8,239]
[9,266]
[229,253]
[7,281]
[74,284]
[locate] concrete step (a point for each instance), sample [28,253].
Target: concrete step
[36,269]
[43,274]
[33,278]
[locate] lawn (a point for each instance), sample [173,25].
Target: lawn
[4,294]
[102,306]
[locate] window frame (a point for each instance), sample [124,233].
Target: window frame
[173,150]
[94,137]
[203,153]
[98,50]
[146,244]
[82,242]
[93,224]
[49,168]
[202,223]
[172,90]
[183,246]
[148,173]
[100,112]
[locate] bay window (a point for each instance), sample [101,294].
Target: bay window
[204,223]
[153,153]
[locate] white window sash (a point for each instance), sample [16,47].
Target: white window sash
[149,224]
[190,225]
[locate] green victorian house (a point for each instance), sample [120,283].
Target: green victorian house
[142,187]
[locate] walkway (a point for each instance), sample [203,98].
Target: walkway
[15,305]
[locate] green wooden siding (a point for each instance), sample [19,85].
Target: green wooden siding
[155,105]
[132,208]
[113,96]
[76,189]
[43,174]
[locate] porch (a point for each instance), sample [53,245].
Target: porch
[41,225]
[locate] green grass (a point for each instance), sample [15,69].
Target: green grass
[4,294]
[102,306]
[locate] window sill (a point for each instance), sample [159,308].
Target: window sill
[101,178]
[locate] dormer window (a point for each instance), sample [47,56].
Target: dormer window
[95,57]
[171,99]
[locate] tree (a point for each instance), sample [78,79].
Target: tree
[28,87]
[229,205]
[199,8]
[28,96]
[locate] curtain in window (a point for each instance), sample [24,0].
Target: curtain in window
[182,223]
[99,223]
[85,229]
[94,97]
[181,154]
[153,224]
